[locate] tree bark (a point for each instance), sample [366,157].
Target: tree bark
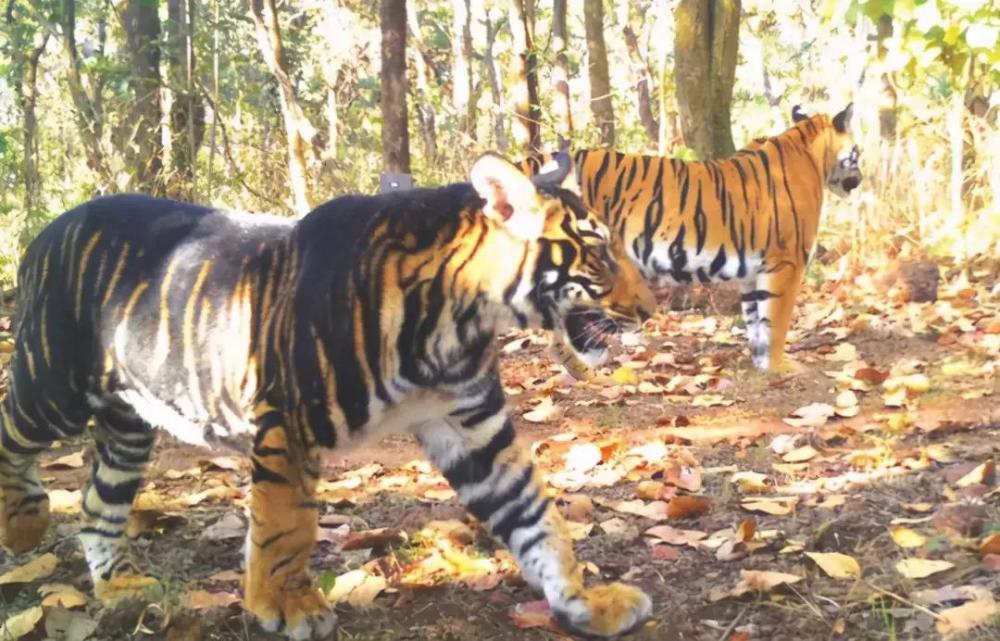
[425,110]
[395,132]
[527,120]
[643,79]
[303,139]
[705,48]
[560,72]
[600,84]
[887,96]
[89,118]
[142,145]
[461,54]
[187,112]
[493,75]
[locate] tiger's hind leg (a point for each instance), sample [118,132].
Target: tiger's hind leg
[24,505]
[496,480]
[776,292]
[279,590]
[123,445]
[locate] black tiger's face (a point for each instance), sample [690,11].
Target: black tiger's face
[581,282]
[595,288]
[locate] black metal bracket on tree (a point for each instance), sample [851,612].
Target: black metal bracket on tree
[395,182]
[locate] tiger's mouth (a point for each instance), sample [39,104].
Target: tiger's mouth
[589,332]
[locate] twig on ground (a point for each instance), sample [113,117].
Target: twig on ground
[904,600]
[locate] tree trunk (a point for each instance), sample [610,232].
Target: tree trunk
[493,75]
[643,79]
[302,138]
[560,73]
[88,115]
[425,109]
[395,132]
[461,54]
[600,84]
[887,97]
[187,113]
[705,47]
[142,145]
[527,120]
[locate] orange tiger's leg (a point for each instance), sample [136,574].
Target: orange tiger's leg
[24,505]
[279,588]
[775,317]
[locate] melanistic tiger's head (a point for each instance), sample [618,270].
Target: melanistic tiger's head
[840,154]
[582,285]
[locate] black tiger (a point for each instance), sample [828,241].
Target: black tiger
[368,315]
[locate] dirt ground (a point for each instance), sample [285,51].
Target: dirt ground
[682,415]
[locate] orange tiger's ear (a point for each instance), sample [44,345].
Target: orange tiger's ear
[510,196]
[798,115]
[842,121]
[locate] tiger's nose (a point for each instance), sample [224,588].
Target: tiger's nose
[851,183]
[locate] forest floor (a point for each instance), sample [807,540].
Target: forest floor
[872,515]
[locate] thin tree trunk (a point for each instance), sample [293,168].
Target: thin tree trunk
[302,138]
[187,113]
[425,110]
[527,120]
[600,84]
[493,74]
[215,94]
[461,53]
[29,98]
[88,116]
[887,96]
[643,79]
[560,72]
[395,130]
[705,48]
[142,144]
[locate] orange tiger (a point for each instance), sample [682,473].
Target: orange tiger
[751,217]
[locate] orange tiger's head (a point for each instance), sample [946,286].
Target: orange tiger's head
[837,151]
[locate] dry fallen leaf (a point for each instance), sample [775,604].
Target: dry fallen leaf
[990,545]
[682,507]
[967,616]
[778,506]
[357,588]
[65,625]
[534,614]
[577,507]
[21,624]
[38,568]
[907,538]
[65,501]
[546,410]
[836,565]
[812,415]
[674,536]
[203,600]
[61,595]
[225,463]
[800,455]
[69,462]
[614,526]
[625,376]
[754,581]
[655,510]
[379,537]
[683,476]
[750,482]
[230,526]
[921,568]
[983,473]
[583,457]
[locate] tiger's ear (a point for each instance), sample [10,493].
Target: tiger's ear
[798,115]
[842,121]
[509,194]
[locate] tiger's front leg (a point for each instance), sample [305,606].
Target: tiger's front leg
[279,589]
[499,485]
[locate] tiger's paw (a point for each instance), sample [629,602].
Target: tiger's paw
[788,366]
[23,532]
[605,611]
[127,587]
[302,615]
